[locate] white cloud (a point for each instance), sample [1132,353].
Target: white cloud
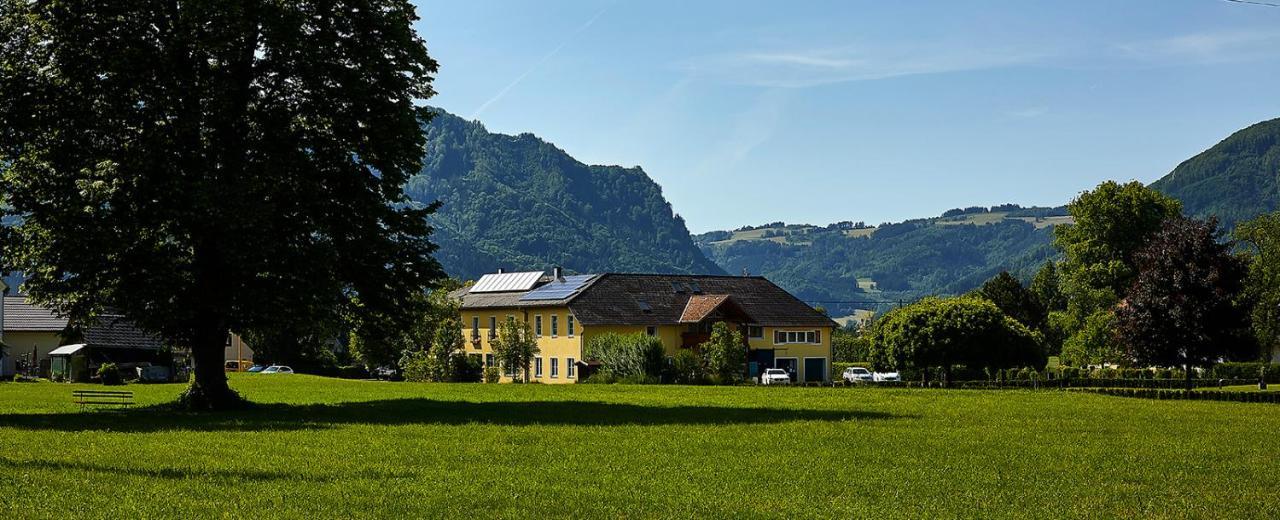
[1205,47]
[813,67]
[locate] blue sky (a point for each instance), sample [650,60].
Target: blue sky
[751,112]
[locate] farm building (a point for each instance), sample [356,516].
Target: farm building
[566,312]
[34,334]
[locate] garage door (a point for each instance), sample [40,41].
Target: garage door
[815,370]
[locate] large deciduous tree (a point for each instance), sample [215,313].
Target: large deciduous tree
[1015,300]
[1182,309]
[212,165]
[1262,287]
[944,332]
[1112,223]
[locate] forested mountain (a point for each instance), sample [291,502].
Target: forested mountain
[1235,180]
[521,203]
[846,265]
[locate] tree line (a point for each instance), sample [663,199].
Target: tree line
[1137,284]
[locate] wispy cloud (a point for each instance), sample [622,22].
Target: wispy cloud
[751,128]
[501,93]
[813,67]
[1027,113]
[1205,47]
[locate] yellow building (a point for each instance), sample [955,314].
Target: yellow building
[566,312]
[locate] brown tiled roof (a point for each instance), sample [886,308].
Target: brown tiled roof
[661,299]
[23,316]
[700,305]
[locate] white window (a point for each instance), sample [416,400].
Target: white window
[488,360]
[475,327]
[755,332]
[555,325]
[537,325]
[569,368]
[568,323]
[555,368]
[783,337]
[493,327]
[537,367]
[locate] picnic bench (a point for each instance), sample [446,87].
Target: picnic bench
[86,398]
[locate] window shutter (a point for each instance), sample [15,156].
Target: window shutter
[817,336]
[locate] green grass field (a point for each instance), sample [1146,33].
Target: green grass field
[324,448]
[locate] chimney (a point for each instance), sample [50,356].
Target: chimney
[557,273]
[501,270]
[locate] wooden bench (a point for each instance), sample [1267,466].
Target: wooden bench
[86,398]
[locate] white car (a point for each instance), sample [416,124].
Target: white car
[857,375]
[886,376]
[277,369]
[775,376]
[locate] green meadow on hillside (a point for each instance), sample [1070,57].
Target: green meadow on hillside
[324,448]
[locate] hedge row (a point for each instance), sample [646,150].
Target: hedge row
[1166,384]
[1200,395]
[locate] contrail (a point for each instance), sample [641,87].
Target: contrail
[537,64]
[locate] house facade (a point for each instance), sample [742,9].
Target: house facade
[566,312]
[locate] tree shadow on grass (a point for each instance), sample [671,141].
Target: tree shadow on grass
[251,475]
[273,417]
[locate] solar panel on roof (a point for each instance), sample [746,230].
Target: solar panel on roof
[505,282]
[559,289]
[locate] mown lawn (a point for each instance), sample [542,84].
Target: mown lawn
[324,448]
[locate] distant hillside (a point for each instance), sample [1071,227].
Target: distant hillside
[521,203]
[1235,179]
[850,265]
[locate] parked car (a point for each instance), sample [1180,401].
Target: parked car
[256,368]
[886,376]
[857,375]
[277,369]
[775,376]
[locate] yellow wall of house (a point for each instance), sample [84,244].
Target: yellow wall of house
[561,347]
[800,351]
[672,339]
[669,334]
[21,344]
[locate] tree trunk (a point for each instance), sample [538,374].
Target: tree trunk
[209,390]
[1187,367]
[946,376]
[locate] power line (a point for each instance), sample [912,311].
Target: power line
[1252,2]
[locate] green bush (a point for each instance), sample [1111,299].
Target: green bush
[466,369]
[634,356]
[492,375]
[109,374]
[417,366]
[725,355]
[686,368]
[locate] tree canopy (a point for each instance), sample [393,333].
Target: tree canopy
[1261,236]
[1182,309]
[944,332]
[206,166]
